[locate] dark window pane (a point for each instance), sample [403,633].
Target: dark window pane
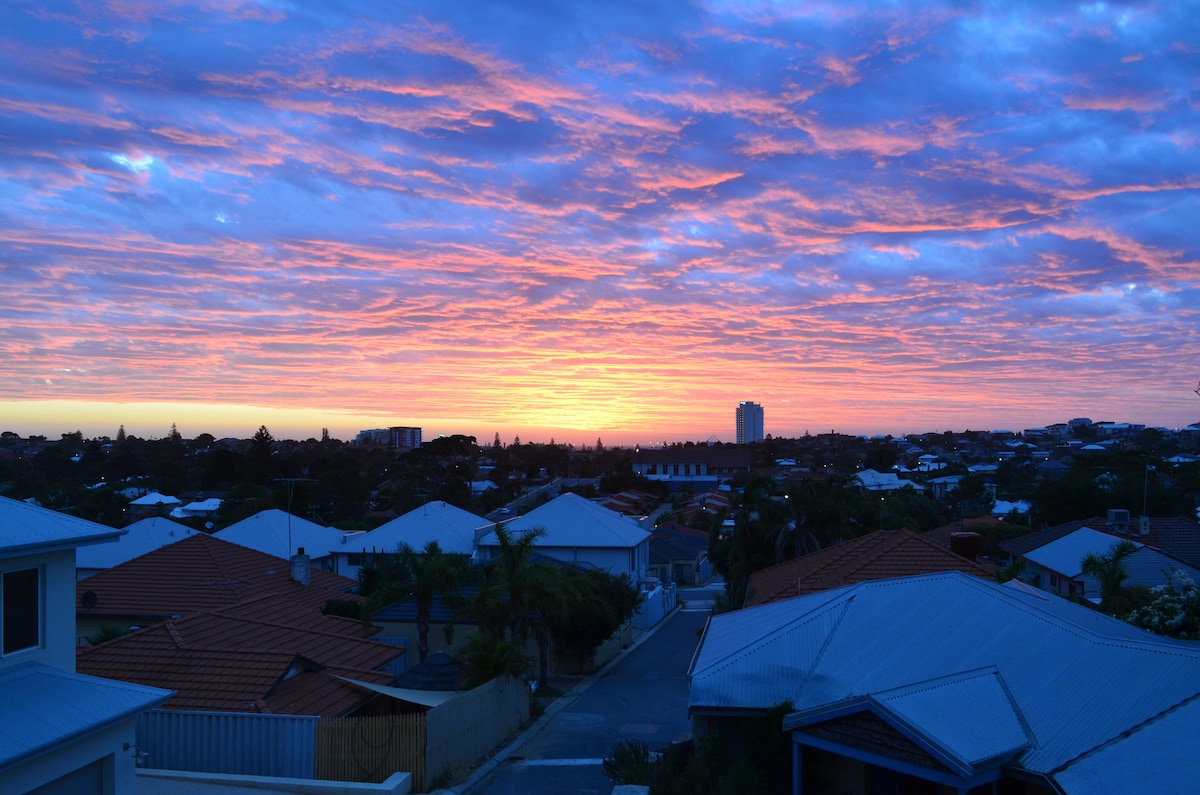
[21,610]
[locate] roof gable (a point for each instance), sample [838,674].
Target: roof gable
[894,634]
[967,721]
[453,528]
[1065,554]
[573,521]
[281,534]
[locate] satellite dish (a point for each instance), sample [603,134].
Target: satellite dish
[88,600]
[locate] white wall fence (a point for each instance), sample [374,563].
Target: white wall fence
[467,728]
[657,604]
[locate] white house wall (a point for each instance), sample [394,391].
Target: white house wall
[57,609]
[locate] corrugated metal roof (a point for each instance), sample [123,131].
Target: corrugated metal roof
[272,531]
[949,711]
[1146,759]
[1065,555]
[1079,678]
[573,521]
[450,526]
[44,707]
[140,537]
[25,527]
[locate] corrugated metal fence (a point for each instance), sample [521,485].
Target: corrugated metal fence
[235,743]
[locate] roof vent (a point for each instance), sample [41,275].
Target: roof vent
[1144,525]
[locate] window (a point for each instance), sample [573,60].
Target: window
[22,601]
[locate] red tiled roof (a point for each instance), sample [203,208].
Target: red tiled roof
[227,663]
[878,556]
[203,573]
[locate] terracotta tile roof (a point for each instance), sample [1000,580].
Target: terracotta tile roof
[226,663]
[882,555]
[203,573]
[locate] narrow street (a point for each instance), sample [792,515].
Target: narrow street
[643,696]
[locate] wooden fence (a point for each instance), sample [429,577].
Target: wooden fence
[371,748]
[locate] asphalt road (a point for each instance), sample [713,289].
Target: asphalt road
[643,696]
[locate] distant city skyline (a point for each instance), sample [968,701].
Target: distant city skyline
[597,219]
[148,422]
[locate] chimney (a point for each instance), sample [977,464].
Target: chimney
[966,543]
[301,566]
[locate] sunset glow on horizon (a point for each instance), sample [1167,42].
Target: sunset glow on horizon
[588,219]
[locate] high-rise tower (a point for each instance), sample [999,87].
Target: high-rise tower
[749,422]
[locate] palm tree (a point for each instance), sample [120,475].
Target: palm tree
[1110,570]
[421,577]
[522,595]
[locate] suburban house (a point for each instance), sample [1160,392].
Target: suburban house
[579,531]
[698,466]
[1176,536]
[144,535]
[631,502]
[453,528]
[311,664]
[872,480]
[61,732]
[679,554]
[881,555]
[280,534]
[202,573]
[271,683]
[944,683]
[152,504]
[198,509]
[1057,566]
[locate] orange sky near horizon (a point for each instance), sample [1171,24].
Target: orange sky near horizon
[881,219]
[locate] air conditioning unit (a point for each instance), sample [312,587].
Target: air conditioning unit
[1118,519]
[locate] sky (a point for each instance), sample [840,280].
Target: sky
[582,220]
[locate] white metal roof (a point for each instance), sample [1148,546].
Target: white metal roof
[145,535]
[573,521]
[1064,555]
[44,707]
[450,526]
[25,528]
[154,498]
[1078,679]
[277,533]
